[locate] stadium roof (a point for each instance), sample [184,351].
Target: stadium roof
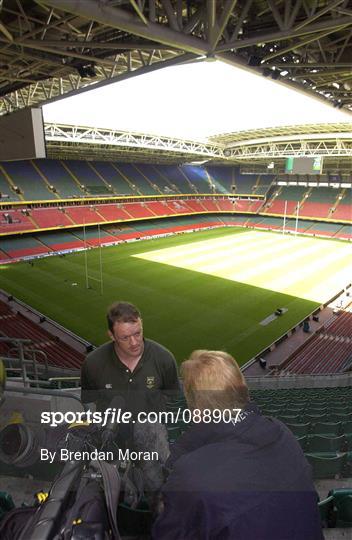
[51,48]
[288,132]
[253,148]
[193,101]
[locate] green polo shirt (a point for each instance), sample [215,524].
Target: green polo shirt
[153,380]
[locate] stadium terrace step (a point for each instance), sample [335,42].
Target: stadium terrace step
[50,218]
[7,187]
[27,178]
[15,221]
[83,214]
[59,178]
[58,353]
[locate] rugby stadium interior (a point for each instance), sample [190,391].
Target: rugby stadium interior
[239,250]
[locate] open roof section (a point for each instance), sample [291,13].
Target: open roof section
[51,48]
[192,101]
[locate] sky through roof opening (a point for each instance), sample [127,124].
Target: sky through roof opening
[192,101]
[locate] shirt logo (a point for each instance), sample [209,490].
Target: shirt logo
[150,382]
[108,385]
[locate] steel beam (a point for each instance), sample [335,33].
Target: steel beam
[241,18]
[194,20]
[171,17]
[211,18]
[297,45]
[62,87]
[28,44]
[6,33]
[294,13]
[326,72]
[238,61]
[138,11]
[326,9]
[345,43]
[313,65]
[286,34]
[110,137]
[276,14]
[123,20]
[112,46]
[219,28]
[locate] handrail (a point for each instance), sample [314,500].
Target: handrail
[25,361]
[63,379]
[6,339]
[51,321]
[39,382]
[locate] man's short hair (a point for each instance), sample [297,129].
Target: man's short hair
[213,380]
[122,312]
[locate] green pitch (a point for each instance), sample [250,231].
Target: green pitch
[210,289]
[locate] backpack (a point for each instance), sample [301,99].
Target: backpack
[82,504]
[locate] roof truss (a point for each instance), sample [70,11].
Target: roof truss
[52,48]
[334,141]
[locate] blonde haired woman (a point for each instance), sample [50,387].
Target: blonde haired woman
[235,475]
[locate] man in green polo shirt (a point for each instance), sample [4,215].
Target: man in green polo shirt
[141,371]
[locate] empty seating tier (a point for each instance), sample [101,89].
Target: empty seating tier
[327,351]
[94,237]
[178,181]
[314,209]
[57,352]
[86,176]
[323,195]
[47,218]
[199,178]
[23,247]
[325,229]
[222,178]
[140,182]
[61,241]
[160,182]
[343,208]
[59,178]
[81,215]
[320,419]
[113,178]
[345,232]
[279,206]
[340,325]
[7,194]
[24,175]
[245,183]
[112,212]
[16,221]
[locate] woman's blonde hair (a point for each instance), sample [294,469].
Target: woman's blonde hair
[213,380]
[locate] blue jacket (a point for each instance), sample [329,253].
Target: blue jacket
[243,481]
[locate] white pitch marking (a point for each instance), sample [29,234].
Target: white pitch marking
[212,261]
[287,281]
[277,263]
[242,259]
[330,285]
[190,251]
